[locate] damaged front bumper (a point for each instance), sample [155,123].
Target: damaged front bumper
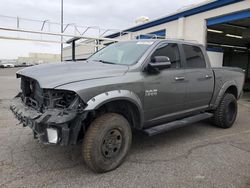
[54,126]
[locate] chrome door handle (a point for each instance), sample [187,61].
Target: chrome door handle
[208,76]
[179,78]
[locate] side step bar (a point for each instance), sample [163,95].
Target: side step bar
[176,124]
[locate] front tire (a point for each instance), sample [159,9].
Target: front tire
[107,142]
[226,112]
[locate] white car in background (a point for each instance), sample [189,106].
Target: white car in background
[7,65]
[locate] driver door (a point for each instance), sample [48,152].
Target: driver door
[165,90]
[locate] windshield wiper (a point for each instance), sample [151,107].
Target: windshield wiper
[106,62]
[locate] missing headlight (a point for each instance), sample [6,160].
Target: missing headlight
[61,99]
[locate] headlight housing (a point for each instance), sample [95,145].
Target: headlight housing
[63,99]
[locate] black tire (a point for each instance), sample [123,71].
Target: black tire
[226,112]
[107,142]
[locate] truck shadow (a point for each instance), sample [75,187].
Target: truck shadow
[49,157]
[141,142]
[171,138]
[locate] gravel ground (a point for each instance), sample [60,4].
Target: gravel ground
[199,155]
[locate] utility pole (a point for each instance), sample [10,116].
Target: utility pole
[61,30]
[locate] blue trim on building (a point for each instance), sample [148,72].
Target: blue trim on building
[215,49]
[229,18]
[160,33]
[202,8]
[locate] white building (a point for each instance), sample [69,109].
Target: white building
[223,26]
[38,58]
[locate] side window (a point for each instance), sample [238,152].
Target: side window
[171,51]
[194,57]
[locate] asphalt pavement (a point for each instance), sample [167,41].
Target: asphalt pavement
[199,155]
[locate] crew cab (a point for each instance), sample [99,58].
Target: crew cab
[146,85]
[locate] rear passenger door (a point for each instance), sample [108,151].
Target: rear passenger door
[199,77]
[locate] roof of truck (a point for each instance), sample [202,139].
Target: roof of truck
[179,41]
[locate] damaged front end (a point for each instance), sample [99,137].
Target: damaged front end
[55,116]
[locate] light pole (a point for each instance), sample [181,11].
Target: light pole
[61,30]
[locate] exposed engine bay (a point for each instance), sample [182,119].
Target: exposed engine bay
[42,99]
[54,115]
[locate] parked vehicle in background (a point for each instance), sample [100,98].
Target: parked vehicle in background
[7,65]
[146,85]
[24,65]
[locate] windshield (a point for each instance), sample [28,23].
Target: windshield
[122,53]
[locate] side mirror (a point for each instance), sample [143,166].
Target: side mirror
[160,62]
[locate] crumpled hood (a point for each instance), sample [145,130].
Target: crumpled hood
[57,74]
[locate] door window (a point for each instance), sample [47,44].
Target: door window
[194,56]
[171,51]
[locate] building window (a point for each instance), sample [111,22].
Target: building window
[156,34]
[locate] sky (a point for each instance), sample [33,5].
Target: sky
[115,14]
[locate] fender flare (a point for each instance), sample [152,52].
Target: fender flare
[103,98]
[222,91]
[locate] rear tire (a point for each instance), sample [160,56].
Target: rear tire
[107,142]
[226,112]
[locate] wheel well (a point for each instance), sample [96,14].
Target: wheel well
[233,90]
[123,107]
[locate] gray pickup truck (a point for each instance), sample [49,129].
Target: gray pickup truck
[146,85]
